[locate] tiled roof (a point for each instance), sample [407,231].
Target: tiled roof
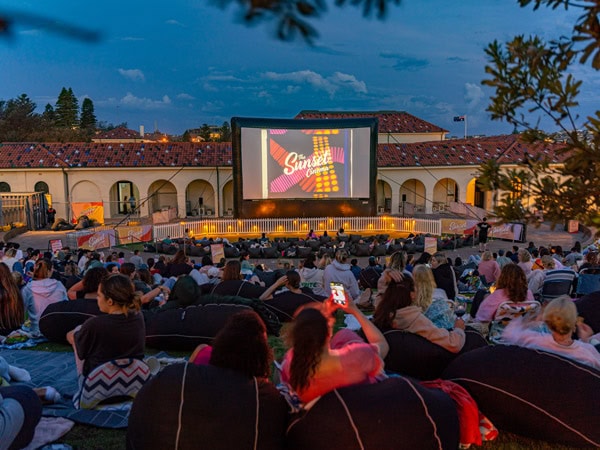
[389,121]
[75,154]
[454,152]
[459,152]
[119,133]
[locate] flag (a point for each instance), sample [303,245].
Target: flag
[459,118]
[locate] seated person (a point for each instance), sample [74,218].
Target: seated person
[510,287]
[291,298]
[560,316]
[432,300]
[241,345]
[20,412]
[120,333]
[317,363]
[397,310]
[12,309]
[233,283]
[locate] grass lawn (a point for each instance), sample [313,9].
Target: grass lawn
[83,437]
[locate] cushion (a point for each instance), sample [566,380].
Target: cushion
[361,250]
[379,250]
[588,307]
[187,406]
[415,356]
[112,380]
[533,393]
[396,413]
[271,252]
[61,317]
[303,252]
[231,252]
[185,328]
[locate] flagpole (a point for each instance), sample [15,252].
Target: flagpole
[465,126]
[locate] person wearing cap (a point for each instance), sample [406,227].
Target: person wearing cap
[339,271]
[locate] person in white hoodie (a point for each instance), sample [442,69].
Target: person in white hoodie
[41,292]
[339,271]
[311,276]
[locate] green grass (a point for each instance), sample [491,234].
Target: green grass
[84,437]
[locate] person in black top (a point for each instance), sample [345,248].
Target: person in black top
[483,227]
[285,303]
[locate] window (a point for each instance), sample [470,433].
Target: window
[4,187]
[41,186]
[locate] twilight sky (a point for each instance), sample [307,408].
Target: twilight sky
[178,64]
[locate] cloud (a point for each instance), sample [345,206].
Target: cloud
[132,38]
[406,63]
[132,74]
[184,96]
[132,101]
[473,94]
[456,59]
[31,32]
[330,84]
[174,22]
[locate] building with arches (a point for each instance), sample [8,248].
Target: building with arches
[195,179]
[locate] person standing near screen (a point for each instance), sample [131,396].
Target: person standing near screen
[132,203]
[483,227]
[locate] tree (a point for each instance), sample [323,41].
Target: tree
[87,121]
[18,120]
[225,132]
[66,109]
[532,76]
[204,132]
[187,136]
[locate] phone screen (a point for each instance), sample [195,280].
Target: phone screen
[337,290]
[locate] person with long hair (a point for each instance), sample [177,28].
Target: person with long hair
[395,271]
[317,363]
[510,287]
[285,303]
[119,333]
[88,286]
[41,292]
[432,300]
[397,310]
[241,345]
[179,265]
[233,283]
[12,310]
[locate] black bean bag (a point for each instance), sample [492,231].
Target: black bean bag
[379,250]
[285,304]
[355,238]
[255,252]
[193,407]
[61,317]
[314,245]
[361,250]
[271,252]
[195,250]
[533,393]
[415,356]
[303,252]
[185,328]
[396,413]
[231,252]
[588,307]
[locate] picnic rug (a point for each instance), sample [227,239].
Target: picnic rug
[58,370]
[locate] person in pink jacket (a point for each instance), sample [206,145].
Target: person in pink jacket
[397,310]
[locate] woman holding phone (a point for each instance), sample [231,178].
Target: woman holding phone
[319,362]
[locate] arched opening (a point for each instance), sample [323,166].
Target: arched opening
[41,186]
[228,198]
[412,197]
[475,195]
[384,197]
[199,198]
[86,191]
[162,195]
[124,197]
[4,186]
[444,192]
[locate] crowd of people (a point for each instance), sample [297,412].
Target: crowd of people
[418,295]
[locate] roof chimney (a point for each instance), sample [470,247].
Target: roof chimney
[142,130]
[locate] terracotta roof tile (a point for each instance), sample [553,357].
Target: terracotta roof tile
[389,121]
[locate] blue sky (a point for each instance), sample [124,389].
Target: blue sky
[179,64]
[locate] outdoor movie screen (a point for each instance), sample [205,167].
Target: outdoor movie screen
[325,159]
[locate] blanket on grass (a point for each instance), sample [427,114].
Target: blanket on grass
[58,370]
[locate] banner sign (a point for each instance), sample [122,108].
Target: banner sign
[96,241]
[573,226]
[132,235]
[94,210]
[430,245]
[506,231]
[454,226]
[217,252]
[56,245]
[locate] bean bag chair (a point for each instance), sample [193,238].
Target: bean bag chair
[394,248]
[415,356]
[195,250]
[379,250]
[588,307]
[533,393]
[255,252]
[314,245]
[355,238]
[271,252]
[191,407]
[361,250]
[325,239]
[185,328]
[112,381]
[303,252]
[61,317]
[396,413]
[231,252]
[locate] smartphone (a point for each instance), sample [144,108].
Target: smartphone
[338,292]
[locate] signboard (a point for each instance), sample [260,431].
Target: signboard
[98,240]
[131,235]
[56,245]
[430,245]
[94,210]
[453,226]
[573,226]
[217,252]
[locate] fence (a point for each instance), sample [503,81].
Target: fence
[242,227]
[27,208]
